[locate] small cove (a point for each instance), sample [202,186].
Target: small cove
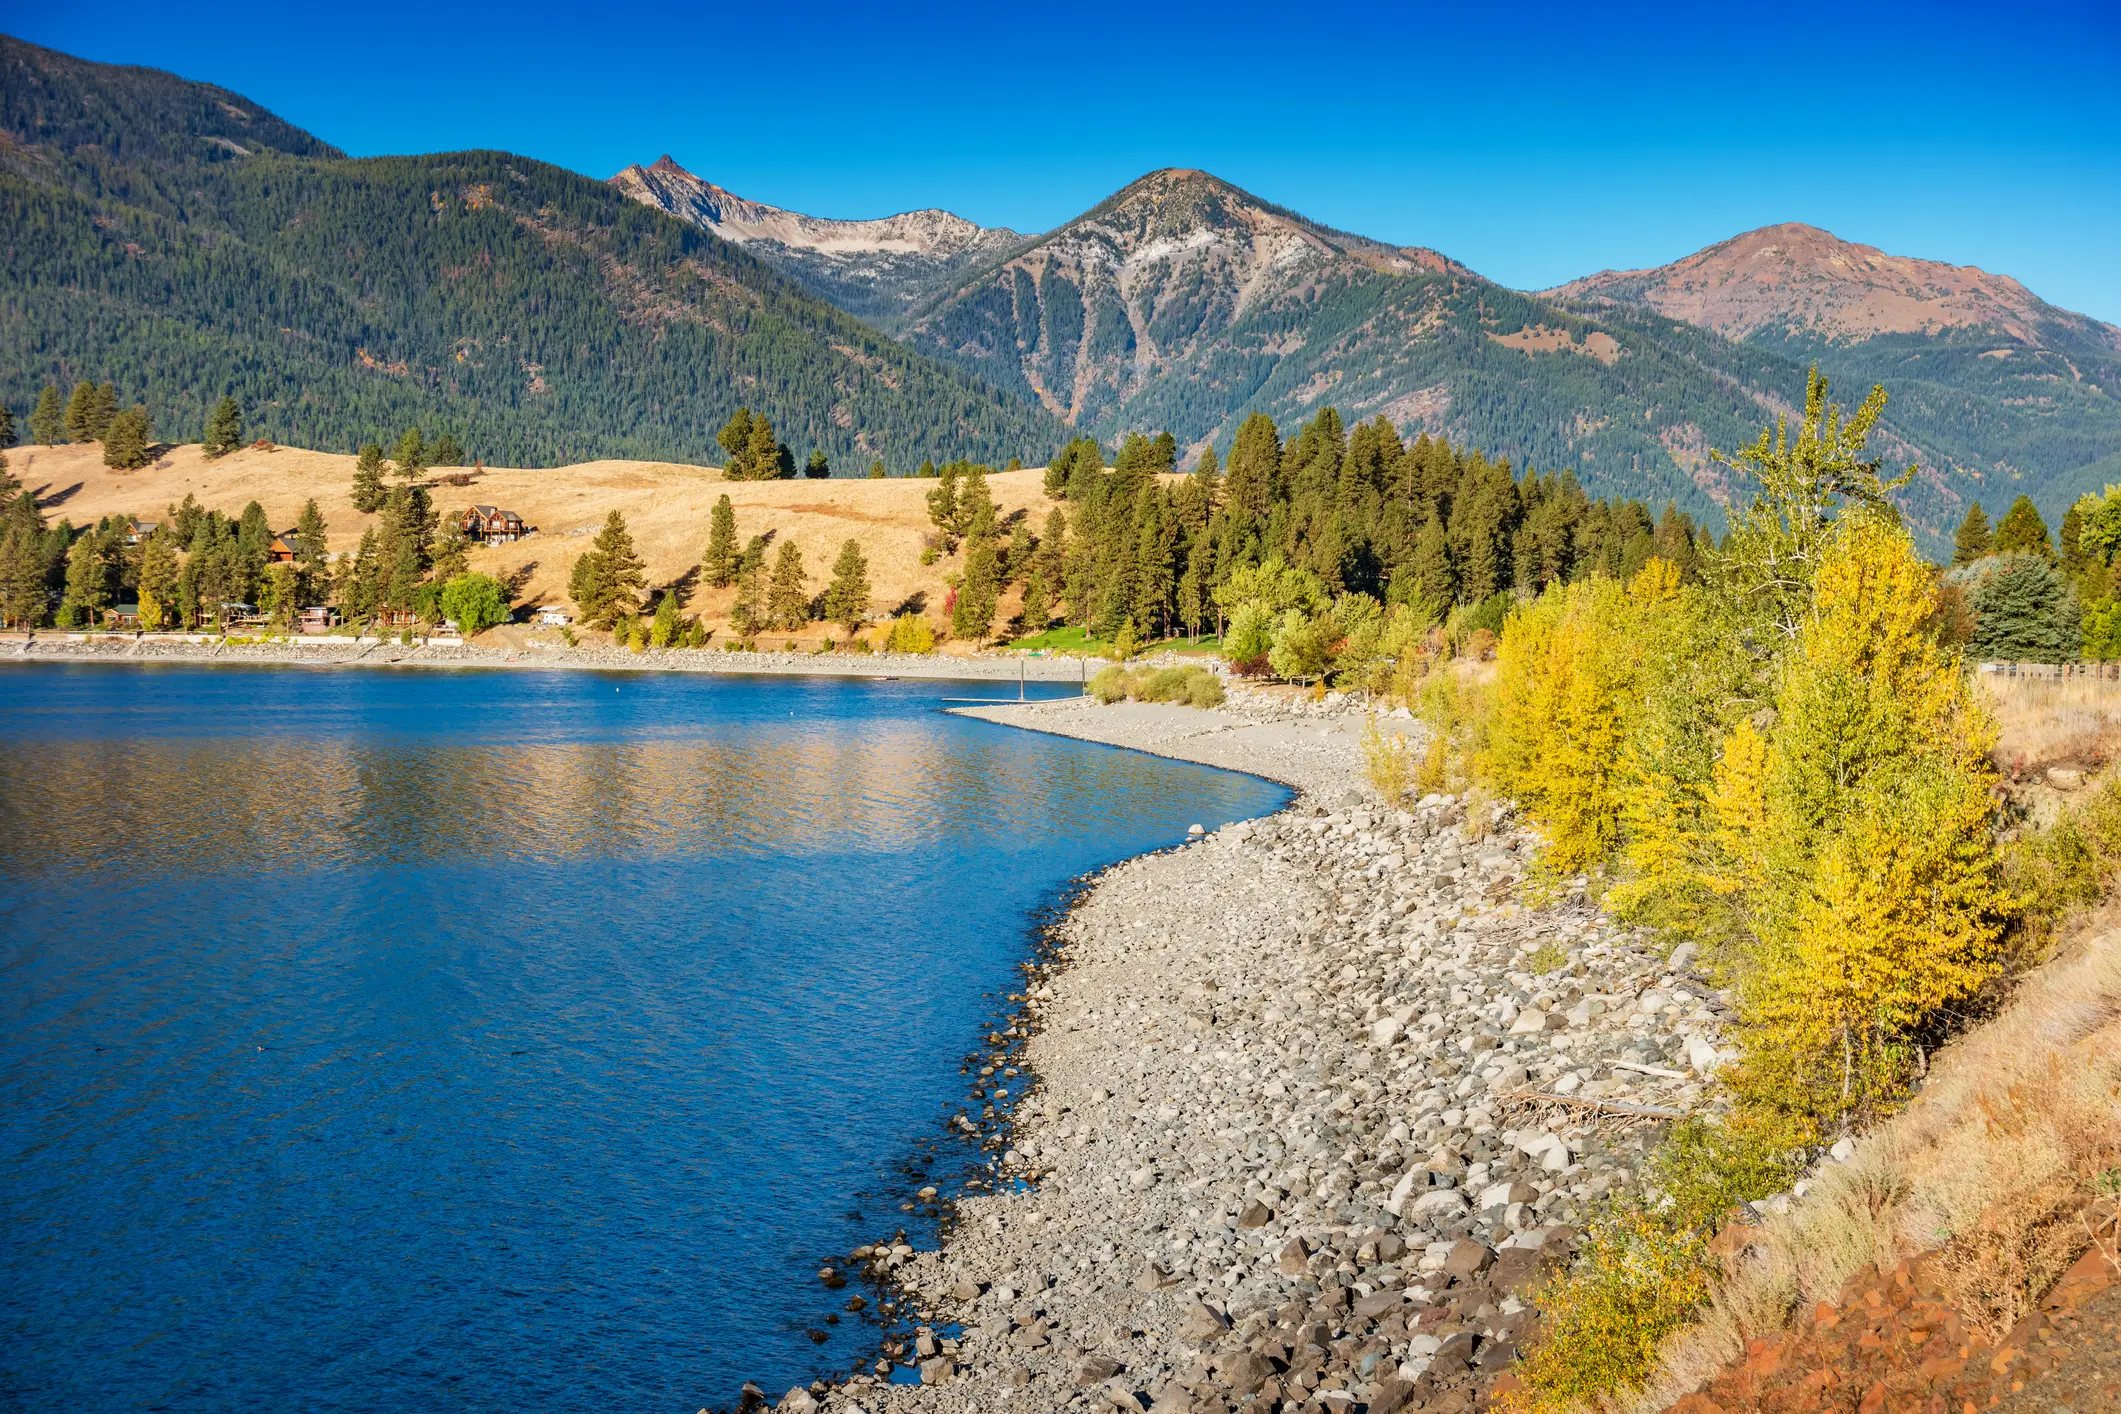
[382,1041]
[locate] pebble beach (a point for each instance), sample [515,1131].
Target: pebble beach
[1297,1116]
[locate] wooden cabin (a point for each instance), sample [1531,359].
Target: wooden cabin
[282,549]
[318,618]
[492,525]
[137,531]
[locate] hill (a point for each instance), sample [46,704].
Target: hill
[879,270]
[1995,391]
[667,508]
[182,242]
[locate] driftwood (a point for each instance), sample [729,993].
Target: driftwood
[1611,1107]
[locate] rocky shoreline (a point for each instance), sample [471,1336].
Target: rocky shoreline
[345,652]
[1296,1116]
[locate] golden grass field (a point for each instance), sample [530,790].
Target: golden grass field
[666,507]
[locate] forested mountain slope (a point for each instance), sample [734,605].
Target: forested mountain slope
[879,270]
[1184,303]
[1995,391]
[178,240]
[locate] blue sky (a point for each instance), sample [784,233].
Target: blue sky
[1534,143]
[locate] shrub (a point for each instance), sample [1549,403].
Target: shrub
[1113,684]
[1386,761]
[1639,1279]
[909,633]
[1194,685]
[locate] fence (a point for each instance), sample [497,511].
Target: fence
[2056,672]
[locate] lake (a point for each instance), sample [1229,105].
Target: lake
[402,1040]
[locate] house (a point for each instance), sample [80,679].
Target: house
[234,614]
[123,616]
[555,616]
[318,618]
[492,525]
[137,531]
[282,549]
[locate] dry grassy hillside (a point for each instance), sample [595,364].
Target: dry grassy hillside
[666,507]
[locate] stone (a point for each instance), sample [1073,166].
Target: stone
[798,1401]
[1391,1396]
[2064,777]
[1438,1205]
[938,1371]
[1095,1369]
[1153,1278]
[1466,1258]
[1255,1215]
[1377,1303]
[1844,1149]
[1201,1324]
[1243,1373]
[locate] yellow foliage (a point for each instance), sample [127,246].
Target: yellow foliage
[1638,1280]
[1564,681]
[1386,761]
[1861,832]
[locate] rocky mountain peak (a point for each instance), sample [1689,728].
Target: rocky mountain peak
[877,269]
[1799,278]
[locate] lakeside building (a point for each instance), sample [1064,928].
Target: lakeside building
[492,525]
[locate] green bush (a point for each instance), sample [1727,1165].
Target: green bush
[476,602]
[1193,685]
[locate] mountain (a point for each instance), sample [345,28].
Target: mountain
[876,270]
[1992,390]
[1185,303]
[181,241]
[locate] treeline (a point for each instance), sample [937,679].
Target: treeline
[1331,522]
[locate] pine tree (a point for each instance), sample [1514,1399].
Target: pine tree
[975,506]
[7,430]
[87,581]
[1429,572]
[942,506]
[847,597]
[47,423]
[763,454]
[2025,613]
[447,451]
[735,439]
[612,584]
[368,491]
[718,564]
[81,412]
[1038,606]
[224,429]
[2023,532]
[788,600]
[973,614]
[158,582]
[2069,540]
[127,440]
[410,455]
[312,553]
[1974,539]
[103,409]
[747,614]
[818,469]
[876,471]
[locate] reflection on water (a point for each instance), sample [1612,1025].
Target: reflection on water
[149,805]
[378,1042]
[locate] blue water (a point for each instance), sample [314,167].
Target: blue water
[437,1041]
